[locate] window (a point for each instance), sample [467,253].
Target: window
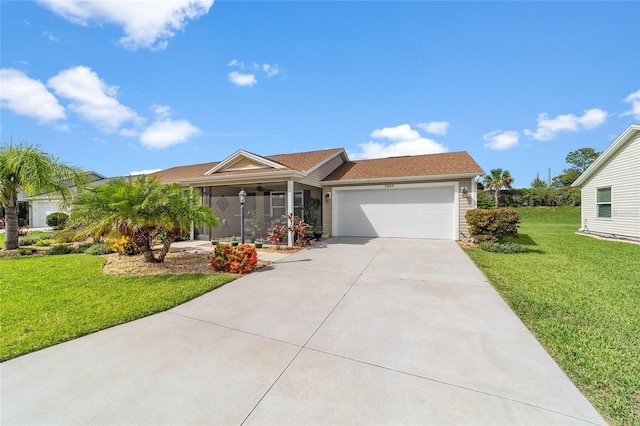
[603,202]
[279,204]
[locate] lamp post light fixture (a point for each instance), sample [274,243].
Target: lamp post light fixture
[242,195]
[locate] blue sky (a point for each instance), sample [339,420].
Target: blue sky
[122,87]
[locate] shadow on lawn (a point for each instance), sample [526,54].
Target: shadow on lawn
[527,241]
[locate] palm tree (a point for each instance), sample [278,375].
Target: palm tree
[139,208]
[25,168]
[181,209]
[496,180]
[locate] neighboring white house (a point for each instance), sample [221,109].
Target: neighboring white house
[41,205]
[611,189]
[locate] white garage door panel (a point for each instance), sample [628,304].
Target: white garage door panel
[396,212]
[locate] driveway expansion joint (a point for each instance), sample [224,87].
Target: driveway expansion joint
[445,383]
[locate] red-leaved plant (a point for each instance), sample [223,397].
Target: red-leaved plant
[240,259]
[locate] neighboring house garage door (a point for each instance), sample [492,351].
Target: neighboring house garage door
[396,211]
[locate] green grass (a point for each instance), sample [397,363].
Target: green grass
[580,296]
[51,299]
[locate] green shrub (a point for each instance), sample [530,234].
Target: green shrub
[43,243]
[97,249]
[30,240]
[59,249]
[82,248]
[506,247]
[65,236]
[492,224]
[25,252]
[57,220]
[485,201]
[27,240]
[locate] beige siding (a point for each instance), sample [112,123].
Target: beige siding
[327,216]
[465,204]
[326,169]
[622,174]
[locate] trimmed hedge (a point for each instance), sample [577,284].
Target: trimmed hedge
[57,220]
[493,225]
[507,247]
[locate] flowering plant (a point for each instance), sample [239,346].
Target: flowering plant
[240,259]
[125,245]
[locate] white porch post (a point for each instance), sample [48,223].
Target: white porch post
[290,210]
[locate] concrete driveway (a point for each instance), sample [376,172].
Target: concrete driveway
[361,331]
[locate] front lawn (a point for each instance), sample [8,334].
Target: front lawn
[51,299]
[580,296]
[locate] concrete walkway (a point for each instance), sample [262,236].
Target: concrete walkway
[361,331]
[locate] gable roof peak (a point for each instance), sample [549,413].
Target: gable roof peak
[255,161]
[628,134]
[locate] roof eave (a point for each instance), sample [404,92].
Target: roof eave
[626,136]
[239,178]
[399,179]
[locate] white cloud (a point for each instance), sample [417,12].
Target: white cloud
[50,36]
[246,74]
[499,140]
[28,97]
[634,100]
[548,128]
[92,99]
[166,132]
[402,140]
[146,24]
[434,127]
[143,172]
[403,132]
[270,70]
[161,111]
[240,79]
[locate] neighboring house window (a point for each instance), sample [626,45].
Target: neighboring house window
[603,202]
[279,204]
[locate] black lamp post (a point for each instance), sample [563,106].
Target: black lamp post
[242,195]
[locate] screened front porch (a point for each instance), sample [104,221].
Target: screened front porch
[266,205]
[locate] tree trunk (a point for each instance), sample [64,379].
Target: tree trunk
[142,239]
[11,227]
[169,238]
[497,197]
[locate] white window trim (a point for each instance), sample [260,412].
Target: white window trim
[602,203]
[285,200]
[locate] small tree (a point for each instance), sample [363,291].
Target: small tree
[139,208]
[25,168]
[579,159]
[538,183]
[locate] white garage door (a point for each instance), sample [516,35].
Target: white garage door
[395,211]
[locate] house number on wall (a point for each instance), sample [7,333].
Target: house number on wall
[389,186]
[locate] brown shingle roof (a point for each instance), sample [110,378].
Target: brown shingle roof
[181,172]
[299,161]
[303,160]
[450,163]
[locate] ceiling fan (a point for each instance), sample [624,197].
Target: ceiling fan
[263,189]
